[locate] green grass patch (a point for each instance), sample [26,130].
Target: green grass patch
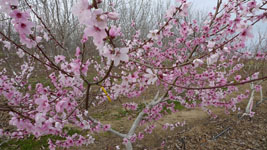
[120,114]
[40,79]
[32,143]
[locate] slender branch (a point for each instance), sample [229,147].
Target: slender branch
[178,9]
[95,4]
[214,87]
[24,50]
[110,130]
[106,76]
[154,102]
[45,26]
[87,96]
[20,114]
[219,2]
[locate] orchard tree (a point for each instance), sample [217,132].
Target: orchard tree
[196,65]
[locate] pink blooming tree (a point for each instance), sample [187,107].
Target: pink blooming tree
[195,65]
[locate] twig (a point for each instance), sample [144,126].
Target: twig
[214,87]
[220,134]
[87,96]
[45,26]
[260,102]
[229,127]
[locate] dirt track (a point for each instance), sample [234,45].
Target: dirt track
[245,134]
[199,132]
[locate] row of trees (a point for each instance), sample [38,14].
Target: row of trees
[60,21]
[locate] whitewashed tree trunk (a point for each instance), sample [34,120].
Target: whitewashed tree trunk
[129,146]
[250,102]
[131,132]
[261,94]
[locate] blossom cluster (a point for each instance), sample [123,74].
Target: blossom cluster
[130,106]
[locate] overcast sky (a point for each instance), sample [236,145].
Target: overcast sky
[206,5]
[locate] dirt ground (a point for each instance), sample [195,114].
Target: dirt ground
[226,132]
[201,132]
[223,133]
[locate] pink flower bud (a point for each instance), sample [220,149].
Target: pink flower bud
[113,16]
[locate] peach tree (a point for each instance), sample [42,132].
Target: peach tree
[195,65]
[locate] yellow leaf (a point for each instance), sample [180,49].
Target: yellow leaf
[104,90]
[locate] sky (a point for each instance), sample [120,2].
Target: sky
[203,4]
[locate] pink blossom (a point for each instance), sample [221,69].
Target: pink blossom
[140,135]
[251,114]
[252,4]
[106,127]
[117,147]
[79,7]
[69,141]
[121,55]
[43,105]
[238,77]
[39,119]
[59,58]
[246,33]
[99,19]
[75,67]
[58,126]
[152,78]
[7,45]
[113,15]
[38,39]
[8,5]
[212,59]
[114,31]
[97,33]
[117,55]
[197,62]
[185,8]
[51,145]
[90,139]
[24,27]
[153,35]
[133,138]
[130,106]
[20,16]
[211,44]
[170,12]
[258,88]
[85,67]
[62,104]
[163,144]
[132,23]
[27,41]
[255,76]
[80,141]
[78,52]
[133,77]
[125,141]
[165,126]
